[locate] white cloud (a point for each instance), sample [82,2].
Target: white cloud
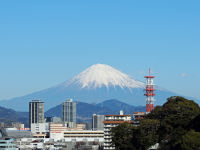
[183,74]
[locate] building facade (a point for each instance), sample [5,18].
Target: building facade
[36,112]
[69,113]
[7,144]
[97,122]
[40,129]
[58,131]
[110,122]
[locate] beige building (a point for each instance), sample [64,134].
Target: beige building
[58,131]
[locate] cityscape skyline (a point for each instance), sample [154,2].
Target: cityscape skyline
[43,44]
[80,74]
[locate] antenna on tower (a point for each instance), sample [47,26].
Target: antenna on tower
[149,92]
[149,71]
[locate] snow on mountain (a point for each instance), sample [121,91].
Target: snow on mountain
[100,75]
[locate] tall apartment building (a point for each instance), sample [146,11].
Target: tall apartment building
[110,122]
[97,122]
[36,112]
[69,113]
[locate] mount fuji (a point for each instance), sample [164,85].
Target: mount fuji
[94,85]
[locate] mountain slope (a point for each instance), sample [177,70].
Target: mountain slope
[93,85]
[9,115]
[116,106]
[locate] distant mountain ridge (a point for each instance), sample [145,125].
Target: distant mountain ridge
[10,115]
[93,85]
[85,110]
[116,106]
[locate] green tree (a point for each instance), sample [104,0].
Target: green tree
[175,114]
[175,125]
[147,134]
[189,141]
[195,124]
[122,136]
[175,117]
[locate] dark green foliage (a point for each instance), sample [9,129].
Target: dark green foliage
[195,124]
[190,141]
[122,135]
[148,133]
[175,125]
[128,137]
[175,118]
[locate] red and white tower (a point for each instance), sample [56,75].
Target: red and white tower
[149,93]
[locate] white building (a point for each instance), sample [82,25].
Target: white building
[110,122]
[7,144]
[39,129]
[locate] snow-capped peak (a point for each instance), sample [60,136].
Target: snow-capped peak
[99,75]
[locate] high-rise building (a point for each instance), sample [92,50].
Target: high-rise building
[36,112]
[69,113]
[97,122]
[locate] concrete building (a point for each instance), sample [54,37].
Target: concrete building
[52,144]
[58,132]
[7,144]
[56,119]
[97,122]
[69,113]
[36,112]
[18,133]
[110,122]
[36,119]
[84,135]
[17,125]
[137,117]
[40,129]
[53,119]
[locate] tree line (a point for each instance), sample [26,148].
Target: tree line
[174,126]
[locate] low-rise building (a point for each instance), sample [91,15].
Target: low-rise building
[7,144]
[58,131]
[40,129]
[83,135]
[52,144]
[137,117]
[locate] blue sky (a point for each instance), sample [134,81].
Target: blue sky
[43,43]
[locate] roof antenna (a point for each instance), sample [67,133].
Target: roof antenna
[149,71]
